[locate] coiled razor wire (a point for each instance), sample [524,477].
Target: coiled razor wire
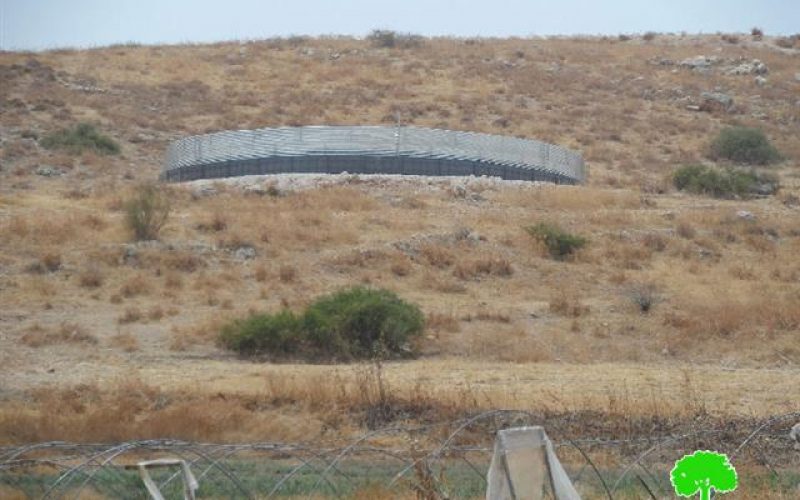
[454,468]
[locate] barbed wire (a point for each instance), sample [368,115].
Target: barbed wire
[452,465]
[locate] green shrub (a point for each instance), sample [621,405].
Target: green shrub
[363,323]
[147,212]
[278,334]
[356,323]
[391,39]
[560,244]
[748,146]
[80,138]
[728,183]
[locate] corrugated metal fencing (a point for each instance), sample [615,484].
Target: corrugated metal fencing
[369,150]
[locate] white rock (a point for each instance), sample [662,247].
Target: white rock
[745,215]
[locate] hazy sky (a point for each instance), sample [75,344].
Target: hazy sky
[37,24]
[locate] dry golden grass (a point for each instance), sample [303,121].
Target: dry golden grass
[507,325]
[65,333]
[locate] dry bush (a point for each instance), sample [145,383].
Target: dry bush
[729,38]
[442,322]
[65,333]
[743,272]
[401,265]
[655,242]
[41,228]
[437,255]
[724,317]
[260,273]
[509,344]
[685,230]
[432,281]
[155,313]
[359,258]
[567,302]
[173,280]
[486,314]
[128,410]
[183,261]
[572,198]
[205,331]
[627,254]
[91,277]
[125,341]
[287,274]
[131,315]
[216,223]
[644,296]
[488,266]
[136,285]
[49,262]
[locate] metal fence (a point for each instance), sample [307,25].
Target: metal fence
[437,460]
[369,150]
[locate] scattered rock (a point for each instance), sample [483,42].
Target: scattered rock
[466,234]
[745,215]
[48,171]
[245,252]
[130,255]
[142,137]
[765,189]
[204,190]
[794,435]
[662,61]
[797,77]
[713,101]
[791,201]
[760,81]
[754,67]
[700,64]
[459,191]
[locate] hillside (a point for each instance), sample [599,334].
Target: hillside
[105,339]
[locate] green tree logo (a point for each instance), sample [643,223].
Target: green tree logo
[703,471]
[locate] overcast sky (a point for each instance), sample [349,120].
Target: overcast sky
[39,24]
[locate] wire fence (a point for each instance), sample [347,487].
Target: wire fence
[369,150]
[444,460]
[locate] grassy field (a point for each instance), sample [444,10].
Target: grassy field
[102,339]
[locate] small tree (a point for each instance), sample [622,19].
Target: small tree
[744,145]
[701,472]
[147,212]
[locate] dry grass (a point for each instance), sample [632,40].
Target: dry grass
[498,312]
[567,302]
[235,407]
[131,315]
[125,341]
[66,333]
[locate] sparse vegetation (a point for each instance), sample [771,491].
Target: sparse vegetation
[727,183]
[744,145]
[496,338]
[80,138]
[147,211]
[391,39]
[559,243]
[644,296]
[356,323]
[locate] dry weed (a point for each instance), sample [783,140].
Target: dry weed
[65,333]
